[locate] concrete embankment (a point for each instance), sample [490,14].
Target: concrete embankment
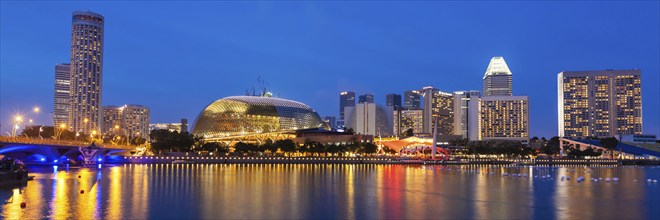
[344,160]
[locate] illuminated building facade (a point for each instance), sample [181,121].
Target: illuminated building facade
[466,114]
[165,126]
[497,79]
[86,71]
[599,103]
[412,99]
[236,117]
[128,120]
[407,119]
[504,118]
[62,94]
[370,119]
[438,107]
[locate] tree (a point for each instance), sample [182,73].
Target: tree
[610,144]
[369,148]
[286,145]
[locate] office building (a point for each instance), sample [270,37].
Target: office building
[346,99]
[86,71]
[362,118]
[62,94]
[497,79]
[438,107]
[504,118]
[393,100]
[384,121]
[412,99]
[407,119]
[602,103]
[184,125]
[366,98]
[466,114]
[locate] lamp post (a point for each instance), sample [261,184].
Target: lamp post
[59,131]
[17,119]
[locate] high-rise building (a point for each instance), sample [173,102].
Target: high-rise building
[466,114]
[62,94]
[412,99]
[393,100]
[361,118]
[384,120]
[136,121]
[346,99]
[438,107]
[112,120]
[86,71]
[602,103]
[184,125]
[497,79]
[128,120]
[366,98]
[407,119]
[504,118]
[165,126]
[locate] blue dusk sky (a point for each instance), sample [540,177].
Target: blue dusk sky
[177,57]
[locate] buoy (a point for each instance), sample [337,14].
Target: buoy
[649,180]
[82,191]
[23,205]
[655,181]
[615,179]
[607,179]
[78,176]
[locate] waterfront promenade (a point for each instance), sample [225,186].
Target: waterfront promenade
[366,160]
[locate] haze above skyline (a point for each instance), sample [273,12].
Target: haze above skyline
[178,57]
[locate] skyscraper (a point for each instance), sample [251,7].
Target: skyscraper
[346,99]
[438,107]
[366,98]
[599,103]
[86,71]
[407,119]
[504,118]
[466,110]
[362,118]
[497,79]
[393,100]
[412,99]
[62,94]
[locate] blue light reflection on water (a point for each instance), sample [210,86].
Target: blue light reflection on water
[334,191]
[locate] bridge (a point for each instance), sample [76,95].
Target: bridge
[51,151]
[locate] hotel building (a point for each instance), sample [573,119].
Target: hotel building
[466,114]
[86,71]
[130,120]
[438,107]
[62,94]
[504,118]
[602,103]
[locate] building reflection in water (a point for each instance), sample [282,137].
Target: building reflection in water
[280,191]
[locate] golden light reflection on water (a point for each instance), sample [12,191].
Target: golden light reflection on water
[279,191]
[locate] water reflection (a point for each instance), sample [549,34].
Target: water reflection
[277,191]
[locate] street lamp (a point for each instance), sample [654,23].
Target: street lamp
[59,132]
[18,119]
[36,109]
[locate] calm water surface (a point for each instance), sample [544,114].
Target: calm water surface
[333,192]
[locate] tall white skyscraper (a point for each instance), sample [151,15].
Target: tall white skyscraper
[466,110]
[86,72]
[497,79]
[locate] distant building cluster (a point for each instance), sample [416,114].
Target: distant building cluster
[591,103]
[77,104]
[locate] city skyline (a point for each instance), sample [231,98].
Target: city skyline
[126,81]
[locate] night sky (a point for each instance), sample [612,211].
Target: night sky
[178,57]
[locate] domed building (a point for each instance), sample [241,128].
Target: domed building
[240,117]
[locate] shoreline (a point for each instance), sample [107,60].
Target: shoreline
[368,160]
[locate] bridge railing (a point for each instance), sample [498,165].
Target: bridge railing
[46,141]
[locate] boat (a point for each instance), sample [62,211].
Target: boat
[13,172]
